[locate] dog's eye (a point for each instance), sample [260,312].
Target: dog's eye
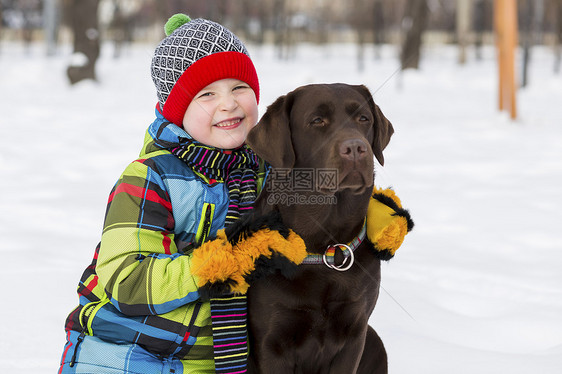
[317,122]
[363,118]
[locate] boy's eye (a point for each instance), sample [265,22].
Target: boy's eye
[241,86]
[206,94]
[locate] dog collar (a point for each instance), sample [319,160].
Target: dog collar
[328,258]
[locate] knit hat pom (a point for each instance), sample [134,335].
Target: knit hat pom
[175,21]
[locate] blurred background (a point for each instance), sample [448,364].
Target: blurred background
[407,24]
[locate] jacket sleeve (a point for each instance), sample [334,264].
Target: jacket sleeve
[139,264]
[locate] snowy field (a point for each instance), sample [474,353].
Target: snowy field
[476,287]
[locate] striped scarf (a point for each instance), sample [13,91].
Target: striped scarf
[238,169]
[229,316]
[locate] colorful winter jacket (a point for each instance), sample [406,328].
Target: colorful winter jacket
[139,287]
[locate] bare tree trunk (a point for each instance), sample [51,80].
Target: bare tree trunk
[84,23]
[361,21]
[262,16]
[241,18]
[558,31]
[213,10]
[176,7]
[121,28]
[50,17]
[415,23]
[379,27]
[538,22]
[27,8]
[162,12]
[479,24]
[255,20]
[216,11]
[527,37]
[280,26]
[118,25]
[361,39]
[463,27]
[321,33]
[1,18]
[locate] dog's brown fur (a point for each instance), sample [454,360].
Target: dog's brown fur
[317,322]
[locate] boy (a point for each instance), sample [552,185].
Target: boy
[147,299]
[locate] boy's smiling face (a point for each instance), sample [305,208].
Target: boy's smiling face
[222,114]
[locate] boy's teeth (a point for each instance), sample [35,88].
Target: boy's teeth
[224,124]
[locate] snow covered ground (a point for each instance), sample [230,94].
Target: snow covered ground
[476,287]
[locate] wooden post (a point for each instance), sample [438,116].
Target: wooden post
[505,22]
[511,46]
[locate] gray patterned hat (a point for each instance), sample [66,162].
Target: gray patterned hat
[194,54]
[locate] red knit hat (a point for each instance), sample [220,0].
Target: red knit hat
[194,54]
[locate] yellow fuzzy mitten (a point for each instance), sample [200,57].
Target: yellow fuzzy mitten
[387,223]
[214,263]
[249,249]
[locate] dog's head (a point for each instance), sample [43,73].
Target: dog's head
[328,126]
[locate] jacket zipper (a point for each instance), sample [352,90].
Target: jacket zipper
[85,312]
[188,333]
[206,225]
[79,341]
[192,322]
[85,318]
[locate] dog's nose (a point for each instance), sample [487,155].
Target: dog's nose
[353,149]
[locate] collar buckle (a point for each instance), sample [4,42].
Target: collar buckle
[347,250]
[348,257]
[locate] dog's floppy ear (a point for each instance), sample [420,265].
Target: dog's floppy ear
[383,132]
[382,127]
[271,137]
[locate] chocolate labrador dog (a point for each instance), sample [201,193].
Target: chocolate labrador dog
[321,141]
